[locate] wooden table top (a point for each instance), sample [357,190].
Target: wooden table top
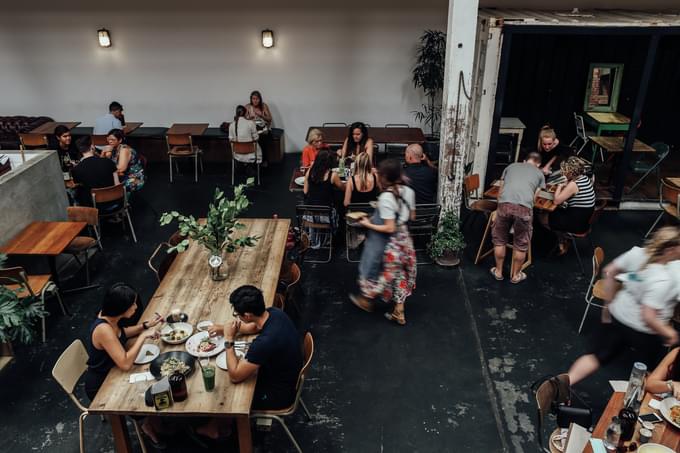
[43,238]
[664,433]
[129,127]
[675,181]
[292,186]
[188,286]
[615,144]
[541,203]
[609,117]
[511,123]
[188,128]
[48,128]
[337,135]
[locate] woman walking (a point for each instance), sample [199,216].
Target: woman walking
[388,262]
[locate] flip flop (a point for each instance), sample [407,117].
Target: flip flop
[522,277]
[493,272]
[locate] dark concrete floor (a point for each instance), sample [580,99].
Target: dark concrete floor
[455,379]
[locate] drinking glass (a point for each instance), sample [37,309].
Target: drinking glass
[208,372]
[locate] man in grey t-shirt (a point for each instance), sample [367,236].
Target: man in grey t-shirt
[519,185]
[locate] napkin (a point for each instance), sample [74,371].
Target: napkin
[597,445]
[141,377]
[619,386]
[577,439]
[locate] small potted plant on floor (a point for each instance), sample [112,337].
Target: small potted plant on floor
[448,241]
[217,232]
[17,320]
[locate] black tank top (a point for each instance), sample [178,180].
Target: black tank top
[100,361]
[364,197]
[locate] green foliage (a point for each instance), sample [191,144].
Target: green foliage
[448,236]
[428,74]
[221,222]
[17,317]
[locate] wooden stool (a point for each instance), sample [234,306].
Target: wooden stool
[481,254]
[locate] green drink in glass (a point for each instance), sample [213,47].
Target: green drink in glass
[208,372]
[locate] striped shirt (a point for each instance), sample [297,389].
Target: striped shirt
[585,197]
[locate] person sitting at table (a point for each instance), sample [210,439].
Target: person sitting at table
[92,172]
[419,175]
[520,183]
[314,145]
[552,152]
[258,111]
[576,201]
[666,376]
[112,120]
[275,355]
[106,344]
[320,180]
[638,315]
[244,130]
[130,168]
[357,141]
[66,149]
[363,186]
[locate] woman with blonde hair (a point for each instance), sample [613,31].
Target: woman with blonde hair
[363,186]
[314,145]
[552,152]
[638,315]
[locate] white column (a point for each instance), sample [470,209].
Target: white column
[456,105]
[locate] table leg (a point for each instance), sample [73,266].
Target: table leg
[245,441]
[520,135]
[121,438]
[52,261]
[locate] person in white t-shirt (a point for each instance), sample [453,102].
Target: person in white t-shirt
[387,269]
[637,315]
[244,130]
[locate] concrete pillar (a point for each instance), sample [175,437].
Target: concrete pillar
[456,105]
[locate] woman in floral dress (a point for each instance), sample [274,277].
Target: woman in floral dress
[130,168]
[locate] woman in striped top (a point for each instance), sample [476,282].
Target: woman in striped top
[575,200]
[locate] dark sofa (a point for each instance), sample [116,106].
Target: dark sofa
[12,126]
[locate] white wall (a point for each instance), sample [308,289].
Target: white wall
[187,64]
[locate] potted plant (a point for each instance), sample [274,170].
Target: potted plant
[428,74]
[17,319]
[217,232]
[447,241]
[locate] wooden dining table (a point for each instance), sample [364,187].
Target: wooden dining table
[188,128]
[384,135]
[130,127]
[664,433]
[541,202]
[612,144]
[187,286]
[48,239]
[607,121]
[48,128]
[293,186]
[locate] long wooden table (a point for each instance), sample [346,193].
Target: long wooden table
[48,128]
[664,432]
[540,202]
[383,135]
[188,128]
[44,238]
[615,144]
[188,287]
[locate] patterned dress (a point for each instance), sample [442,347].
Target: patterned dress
[133,178]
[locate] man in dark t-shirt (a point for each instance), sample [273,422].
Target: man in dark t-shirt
[419,175]
[67,150]
[92,172]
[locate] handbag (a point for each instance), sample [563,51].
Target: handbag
[563,407]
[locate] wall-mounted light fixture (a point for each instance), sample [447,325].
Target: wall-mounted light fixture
[104,37]
[267,38]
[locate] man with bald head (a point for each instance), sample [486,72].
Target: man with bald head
[419,175]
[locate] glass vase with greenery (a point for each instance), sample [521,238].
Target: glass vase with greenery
[428,74]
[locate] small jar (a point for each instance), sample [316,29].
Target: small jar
[178,385]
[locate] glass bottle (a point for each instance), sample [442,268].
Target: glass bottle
[178,385]
[613,436]
[636,388]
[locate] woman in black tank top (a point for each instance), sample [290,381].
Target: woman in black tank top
[364,175]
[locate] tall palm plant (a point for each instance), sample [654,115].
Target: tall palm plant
[428,74]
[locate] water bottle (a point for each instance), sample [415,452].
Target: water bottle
[636,388]
[613,436]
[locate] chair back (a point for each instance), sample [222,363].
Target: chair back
[390,125]
[160,260]
[33,141]
[243,147]
[69,367]
[313,216]
[598,259]
[15,276]
[580,126]
[176,238]
[669,193]
[83,214]
[308,351]
[334,125]
[661,149]
[553,390]
[106,194]
[279,302]
[178,140]
[471,184]
[99,140]
[599,207]
[426,221]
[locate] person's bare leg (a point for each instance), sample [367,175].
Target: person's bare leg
[583,367]
[518,259]
[499,255]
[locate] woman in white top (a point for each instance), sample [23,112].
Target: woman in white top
[388,262]
[244,130]
[639,314]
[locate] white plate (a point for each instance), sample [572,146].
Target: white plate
[654,448]
[143,357]
[300,180]
[221,360]
[185,326]
[665,409]
[204,325]
[192,345]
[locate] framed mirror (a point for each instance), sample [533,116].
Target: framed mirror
[602,91]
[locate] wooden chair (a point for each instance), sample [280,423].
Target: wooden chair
[396,150]
[160,260]
[669,202]
[473,203]
[29,287]
[181,146]
[99,140]
[481,254]
[83,244]
[33,141]
[305,245]
[291,282]
[279,302]
[551,391]
[117,195]
[595,289]
[67,371]
[423,227]
[316,222]
[176,238]
[352,231]
[599,207]
[644,166]
[247,152]
[340,124]
[308,348]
